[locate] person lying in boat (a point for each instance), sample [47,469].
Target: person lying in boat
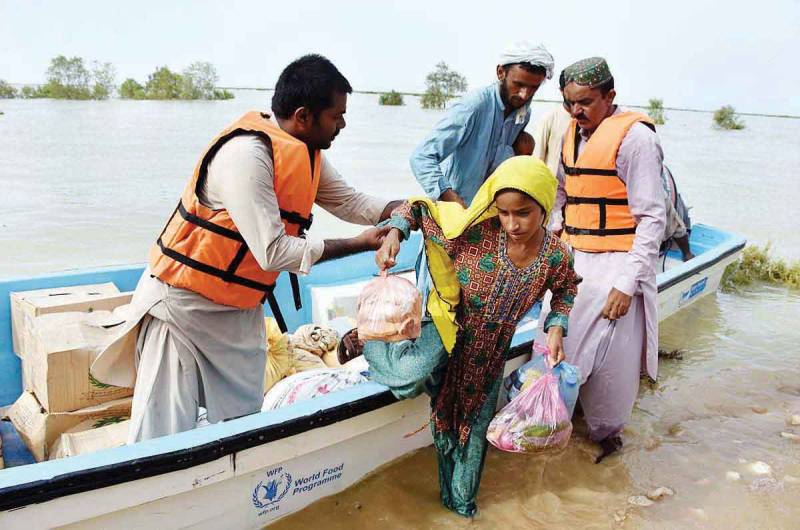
[614,217]
[240,221]
[678,226]
[489,264]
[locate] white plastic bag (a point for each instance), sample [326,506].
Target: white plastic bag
[389,309]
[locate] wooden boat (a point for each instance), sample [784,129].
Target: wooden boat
[250,472]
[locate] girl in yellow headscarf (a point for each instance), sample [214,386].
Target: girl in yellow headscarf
[489,264]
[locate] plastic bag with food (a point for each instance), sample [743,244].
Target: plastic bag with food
[568,377]
[389,309]
[536,421]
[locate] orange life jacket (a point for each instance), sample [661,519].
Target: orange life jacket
[596,216]
[201,249]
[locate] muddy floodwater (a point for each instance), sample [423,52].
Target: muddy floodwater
[710,430]
[91,183]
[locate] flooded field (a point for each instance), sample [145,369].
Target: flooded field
[91,183]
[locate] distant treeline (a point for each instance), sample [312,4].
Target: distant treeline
[70,78]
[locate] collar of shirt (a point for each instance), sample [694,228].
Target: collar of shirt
[518,115]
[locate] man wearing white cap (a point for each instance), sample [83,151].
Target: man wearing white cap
[479,131]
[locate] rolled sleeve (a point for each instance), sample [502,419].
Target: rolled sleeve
[639,164]
[446,136]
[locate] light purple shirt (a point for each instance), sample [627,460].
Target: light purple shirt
[639,162]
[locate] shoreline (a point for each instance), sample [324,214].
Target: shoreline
[418,94]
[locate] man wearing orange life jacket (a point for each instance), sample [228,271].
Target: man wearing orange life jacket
[240,221]
[611,196]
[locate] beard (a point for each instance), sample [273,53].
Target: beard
[507,99]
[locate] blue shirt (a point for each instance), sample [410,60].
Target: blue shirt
[468,144]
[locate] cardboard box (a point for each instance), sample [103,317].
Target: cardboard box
[88,437]
[27,305]
[57,366]
[40,429]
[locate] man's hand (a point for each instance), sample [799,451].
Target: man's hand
[385,256]
[372,238]
[617,305]
[555,343]
[449,195]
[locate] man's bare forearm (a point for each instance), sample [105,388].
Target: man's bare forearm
[338,248]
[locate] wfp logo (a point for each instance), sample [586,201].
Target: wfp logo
[272,489]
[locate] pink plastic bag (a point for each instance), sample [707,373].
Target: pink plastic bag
[535,421]
[389,309]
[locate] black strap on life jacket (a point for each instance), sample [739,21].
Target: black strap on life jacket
[601,203]
[304,223]
[229,274]
[575,171]
[571,230]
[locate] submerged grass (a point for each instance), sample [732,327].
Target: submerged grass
[756,264]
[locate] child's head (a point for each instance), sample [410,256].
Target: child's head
[524,144]
[521,216]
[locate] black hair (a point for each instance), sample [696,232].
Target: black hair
[562,81]
[606,86]
[310,82]
[528,67]
[525,193]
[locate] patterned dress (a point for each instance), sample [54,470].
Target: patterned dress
[495,295]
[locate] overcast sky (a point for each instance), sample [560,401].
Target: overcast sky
[690,53]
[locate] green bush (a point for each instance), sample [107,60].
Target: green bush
[726,118]
[164,84]
[27,92]
[131,89]
[655,110]
[196,82]
[7,91]
[756,264]
[222,94]
[391,98]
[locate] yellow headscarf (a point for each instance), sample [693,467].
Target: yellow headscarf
[527,174]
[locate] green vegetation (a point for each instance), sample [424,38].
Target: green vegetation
[756,264]
[726,118]
[69,78]
[7,91]
[391,98]
[28,92]
[130,89]
[442,84]
[198,81]
[655,109]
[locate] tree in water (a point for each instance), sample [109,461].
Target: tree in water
[7,91]
[163,84]
[391,98]
[131,89]
[655,109]
[105,80]
[199,81]
[726,118]
[442,85]
[66,79]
